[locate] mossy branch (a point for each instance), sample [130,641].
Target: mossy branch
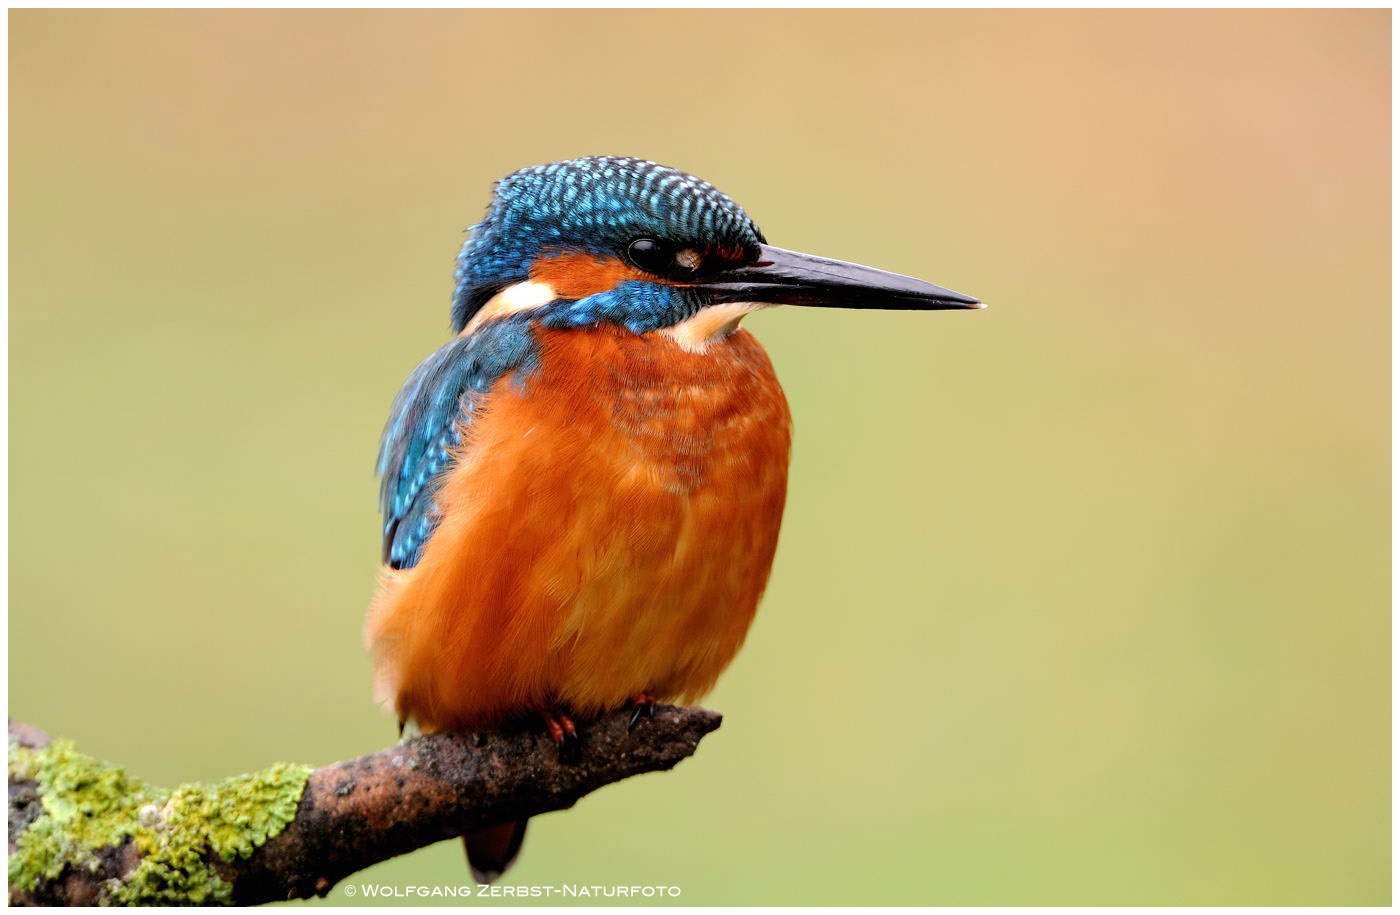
[84,832]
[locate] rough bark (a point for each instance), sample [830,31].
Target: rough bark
[361,811]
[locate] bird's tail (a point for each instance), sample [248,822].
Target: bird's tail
[491,851]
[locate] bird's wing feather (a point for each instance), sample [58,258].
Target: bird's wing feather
[426,423]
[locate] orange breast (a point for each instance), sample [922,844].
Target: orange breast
[607,530]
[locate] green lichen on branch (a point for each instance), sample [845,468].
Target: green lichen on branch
[89,805]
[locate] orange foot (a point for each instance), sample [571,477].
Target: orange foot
[561,727]
[642,703]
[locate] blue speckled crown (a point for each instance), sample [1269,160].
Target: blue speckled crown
[596,204]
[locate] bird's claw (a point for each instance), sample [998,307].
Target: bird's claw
[560,726]
[642,704]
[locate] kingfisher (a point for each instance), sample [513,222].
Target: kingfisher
[582,489]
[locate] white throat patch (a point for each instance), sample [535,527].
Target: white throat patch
[711,324]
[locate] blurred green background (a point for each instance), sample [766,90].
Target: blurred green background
[1080,600]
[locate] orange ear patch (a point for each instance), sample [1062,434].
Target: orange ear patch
[573,276]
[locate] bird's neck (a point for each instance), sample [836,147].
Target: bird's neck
[709,326]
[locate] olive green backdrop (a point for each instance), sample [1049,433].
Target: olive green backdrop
[1080,599]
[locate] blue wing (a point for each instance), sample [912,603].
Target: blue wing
[425,428]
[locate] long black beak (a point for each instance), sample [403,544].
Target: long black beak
[783,277]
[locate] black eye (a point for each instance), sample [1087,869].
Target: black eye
[665,258]
[651,255]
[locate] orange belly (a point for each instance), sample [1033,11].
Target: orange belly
[607,530]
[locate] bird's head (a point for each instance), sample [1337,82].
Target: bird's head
[606,239]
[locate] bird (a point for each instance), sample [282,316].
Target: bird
[582,489]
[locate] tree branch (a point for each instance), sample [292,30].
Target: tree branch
[82,832]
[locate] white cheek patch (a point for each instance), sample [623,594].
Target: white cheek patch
[525,296]
[710,325]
